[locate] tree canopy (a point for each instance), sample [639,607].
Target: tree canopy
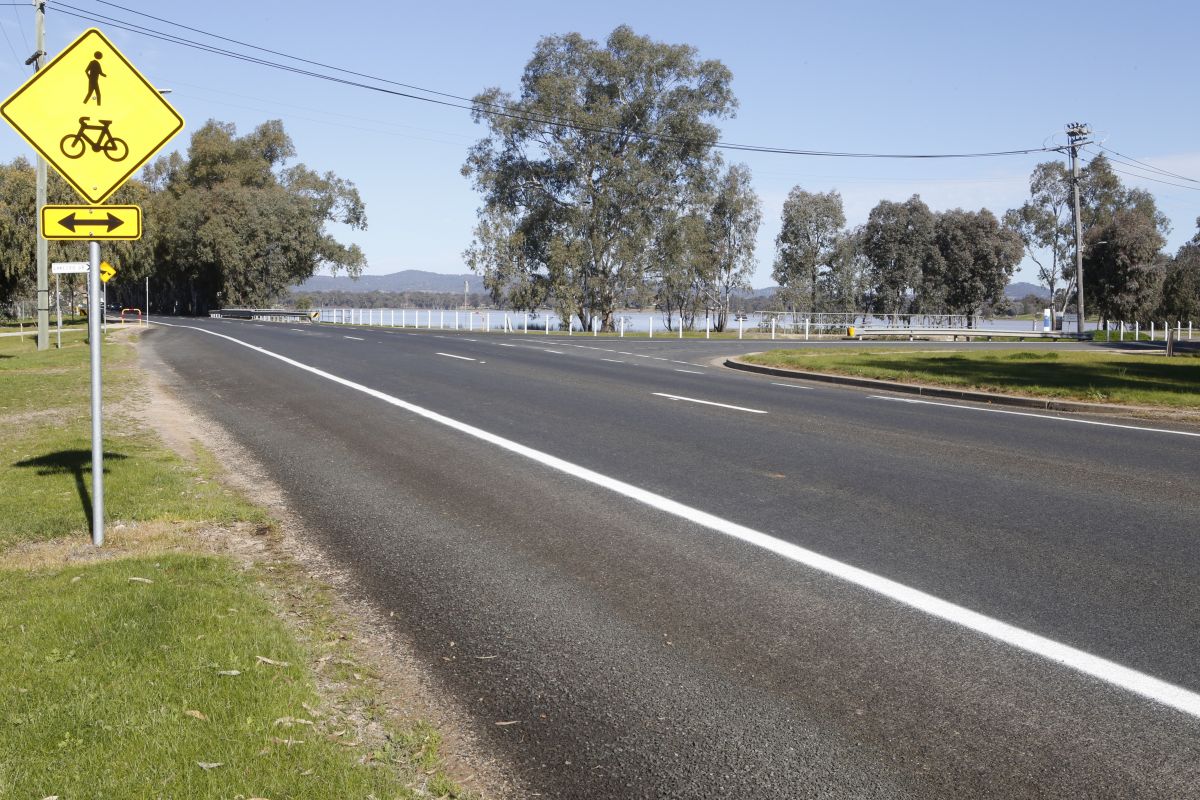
[602,141]
[808,243]
[231,222]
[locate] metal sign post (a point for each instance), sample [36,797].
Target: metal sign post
[94,337]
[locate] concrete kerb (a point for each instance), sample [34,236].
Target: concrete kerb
[1043,404]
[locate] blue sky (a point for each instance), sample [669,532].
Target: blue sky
[852,76]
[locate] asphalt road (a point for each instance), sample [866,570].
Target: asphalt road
[676,599]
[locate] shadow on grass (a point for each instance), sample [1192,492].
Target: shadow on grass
[70,462]
[1171,376]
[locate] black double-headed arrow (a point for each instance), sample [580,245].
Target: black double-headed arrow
[71,223]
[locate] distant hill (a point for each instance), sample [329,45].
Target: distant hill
[1020,289]
[407,280]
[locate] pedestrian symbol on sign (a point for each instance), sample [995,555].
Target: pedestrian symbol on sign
[94,74]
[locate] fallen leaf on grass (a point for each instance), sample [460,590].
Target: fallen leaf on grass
[290,721]
[51,797]
[272,662]
[286,742]
[230,672]
[509,722]
[76,579]
[141,580]
[191,712]
[485,658]
[310,709]
[209,764]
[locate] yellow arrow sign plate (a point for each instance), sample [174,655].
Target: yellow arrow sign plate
[107,271]
[92,116]
[91,222]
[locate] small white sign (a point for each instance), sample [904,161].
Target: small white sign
[68,267]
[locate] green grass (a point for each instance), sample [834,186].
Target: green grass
[47,484]
[1093,376]
[55,378]
[45,454]
[113,688]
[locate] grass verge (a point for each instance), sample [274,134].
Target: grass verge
[1098,377]
[162,666]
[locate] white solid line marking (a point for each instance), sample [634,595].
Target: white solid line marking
[707,402]
[465,339]
[297,330]
[1035,416]
[689,371]
[451,355]
[556,352]
[612,360]
[355,338]
[792,385]
[502,344]
[1108,671]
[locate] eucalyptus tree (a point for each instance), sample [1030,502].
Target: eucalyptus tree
[845,286]
[600,140]
[730,229]
[976,257]
[1044,223]
[237,224]
[1181,286]
[498,253]
[807,244]
[898,242]
[1123,269]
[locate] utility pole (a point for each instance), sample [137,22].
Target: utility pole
[43,246]
[1077,133]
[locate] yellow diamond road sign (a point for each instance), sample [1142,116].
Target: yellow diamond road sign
[107,271]
[91,222]
[92,116]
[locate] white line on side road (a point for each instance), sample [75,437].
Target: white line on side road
[612,360]
[355,338]
[689,371]
[451,355]
[1108,671]
[1035,416]
[297,330]
[706,402]
[792,385]
[556,352]
[502,344]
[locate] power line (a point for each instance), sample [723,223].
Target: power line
[1148,166]
[1145,177]
[503,110]
[13,50]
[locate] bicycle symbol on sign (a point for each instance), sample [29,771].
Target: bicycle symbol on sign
[74,145]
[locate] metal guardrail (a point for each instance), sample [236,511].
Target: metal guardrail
[968,333]
[273,314]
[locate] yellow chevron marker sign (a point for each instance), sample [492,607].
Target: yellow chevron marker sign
[92,116]
[91,222]
[107,271]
